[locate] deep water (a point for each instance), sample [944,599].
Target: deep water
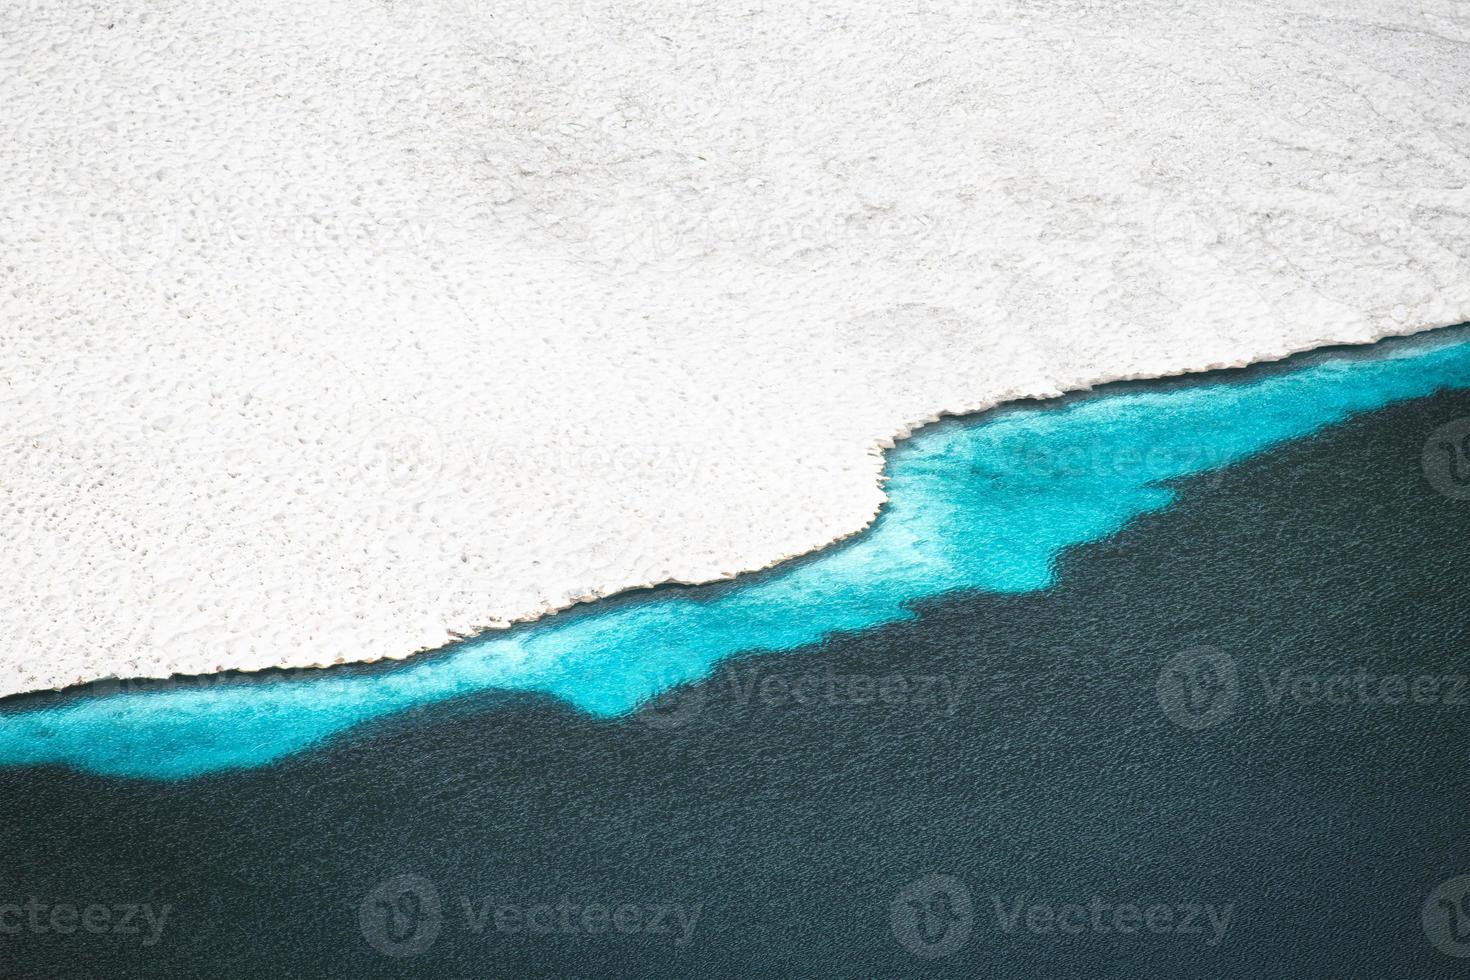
[983,504]
[1119,737]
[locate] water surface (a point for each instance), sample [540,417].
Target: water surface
[1028,754]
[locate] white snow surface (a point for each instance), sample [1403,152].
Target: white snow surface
[332,329]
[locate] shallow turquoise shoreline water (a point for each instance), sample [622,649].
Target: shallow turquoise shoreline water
[987,505]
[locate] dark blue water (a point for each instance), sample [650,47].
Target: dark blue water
[1223,741]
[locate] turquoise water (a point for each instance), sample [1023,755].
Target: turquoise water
[984,505]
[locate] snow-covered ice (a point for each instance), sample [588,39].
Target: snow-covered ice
[331,331]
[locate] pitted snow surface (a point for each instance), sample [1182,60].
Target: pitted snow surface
[329,331]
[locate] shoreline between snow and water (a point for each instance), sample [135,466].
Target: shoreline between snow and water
[409,321]
[985,503]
